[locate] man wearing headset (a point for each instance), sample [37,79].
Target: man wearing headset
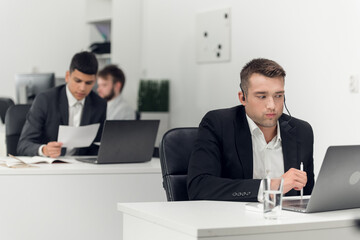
[239,146]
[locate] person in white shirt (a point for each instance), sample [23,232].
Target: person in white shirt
[111,81]
[238,147]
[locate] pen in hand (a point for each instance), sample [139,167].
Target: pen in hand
[301,169]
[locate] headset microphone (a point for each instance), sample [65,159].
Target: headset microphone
[287,111]
[243,98]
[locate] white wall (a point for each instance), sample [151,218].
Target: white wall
[127,30]
[317,42]
[39,35]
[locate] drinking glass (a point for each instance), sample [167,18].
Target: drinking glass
[273,188]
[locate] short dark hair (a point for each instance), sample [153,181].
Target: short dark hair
[84,62]
[115,72]
[266,67]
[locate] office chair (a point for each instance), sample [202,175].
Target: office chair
[5,103]
[156,153]
[14,121]
[137,115]
[357,223]
[175,150]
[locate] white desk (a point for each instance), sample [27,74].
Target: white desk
[229,221]
[73,201]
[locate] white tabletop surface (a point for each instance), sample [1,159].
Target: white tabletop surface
[215,218]
[76,167]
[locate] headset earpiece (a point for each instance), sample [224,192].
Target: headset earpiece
[287,110]
[243,97]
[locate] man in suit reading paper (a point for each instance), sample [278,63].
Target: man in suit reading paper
[73,104]
[238,147]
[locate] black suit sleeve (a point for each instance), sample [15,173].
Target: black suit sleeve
[32,133]
[207,178]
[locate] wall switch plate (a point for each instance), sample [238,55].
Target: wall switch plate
[213,36]
[354,84]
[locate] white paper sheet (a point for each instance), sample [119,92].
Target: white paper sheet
[76,137]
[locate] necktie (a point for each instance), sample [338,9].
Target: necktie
[74,121]
[75,117]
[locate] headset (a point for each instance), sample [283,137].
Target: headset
[243,98]
[287,110]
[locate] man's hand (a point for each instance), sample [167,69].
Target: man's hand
[52,149]
[294,179]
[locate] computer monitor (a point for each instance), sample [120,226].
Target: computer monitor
[59,81]
[29,85]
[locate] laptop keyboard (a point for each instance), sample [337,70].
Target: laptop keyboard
[300,205]
[296,203]
[88,159]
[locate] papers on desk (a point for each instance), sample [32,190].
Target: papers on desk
[254,207]
[14,162]
[38,159]
[77,137]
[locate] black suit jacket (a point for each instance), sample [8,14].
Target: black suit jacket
[49,110]
[221,164]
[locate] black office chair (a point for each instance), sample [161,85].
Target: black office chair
[5,103]
[137,115]
[156,153]
[175,150]
[14,121]
[357,222]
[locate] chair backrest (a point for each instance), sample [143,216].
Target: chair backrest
[14,121]
[5,103]
[137,115]
[175,151]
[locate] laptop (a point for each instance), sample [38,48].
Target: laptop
[337,186]
[126,141]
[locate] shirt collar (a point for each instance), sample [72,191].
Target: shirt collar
[118,98]
[71,99]
[255,129]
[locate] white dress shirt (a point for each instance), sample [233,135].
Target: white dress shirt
[75,113]
[119,109]
[268,159]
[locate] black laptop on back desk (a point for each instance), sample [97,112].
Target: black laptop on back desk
[126,141]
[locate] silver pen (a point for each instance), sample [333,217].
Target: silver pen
[301,169]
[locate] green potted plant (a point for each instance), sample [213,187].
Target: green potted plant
[153,96]
[153,103]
